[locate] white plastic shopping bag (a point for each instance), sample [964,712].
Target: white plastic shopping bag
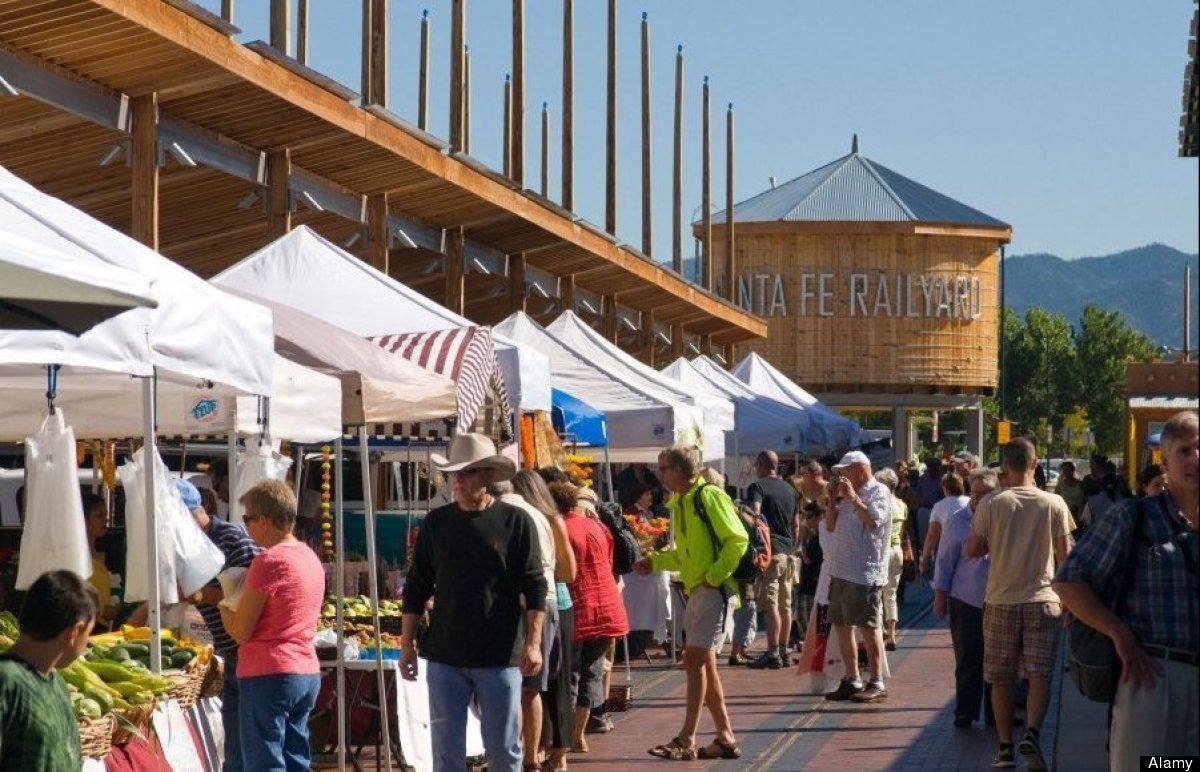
[55,535]
[137,579]
[258,462]
[197,559]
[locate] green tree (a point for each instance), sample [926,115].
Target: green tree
[1103,342]
[1039,366]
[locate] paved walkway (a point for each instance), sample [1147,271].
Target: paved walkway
[781,727]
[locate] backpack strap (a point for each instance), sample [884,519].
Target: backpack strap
[702,513]
[1131,556]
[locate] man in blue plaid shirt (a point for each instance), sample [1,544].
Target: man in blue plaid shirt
[1157,636]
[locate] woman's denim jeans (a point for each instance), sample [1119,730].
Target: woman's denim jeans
[273,712]
[499,692]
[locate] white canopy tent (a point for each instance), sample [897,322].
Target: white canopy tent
[763,378]
[760,423]
[713,415]
[639,423]
[303,270]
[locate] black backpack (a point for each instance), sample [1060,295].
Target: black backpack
[757,556]
[626,550]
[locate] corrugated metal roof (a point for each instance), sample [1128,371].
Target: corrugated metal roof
[855,189]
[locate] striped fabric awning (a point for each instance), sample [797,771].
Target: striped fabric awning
[463,354]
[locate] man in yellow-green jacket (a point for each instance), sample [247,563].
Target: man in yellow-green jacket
[708,546]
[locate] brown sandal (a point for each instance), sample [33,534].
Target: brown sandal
[676,750]
[725,750]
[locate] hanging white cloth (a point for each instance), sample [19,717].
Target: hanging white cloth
[258,462]
[137,580]
[55,535]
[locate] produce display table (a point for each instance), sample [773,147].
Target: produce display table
[648,603]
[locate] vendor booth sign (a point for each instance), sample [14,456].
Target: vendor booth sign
[207,413]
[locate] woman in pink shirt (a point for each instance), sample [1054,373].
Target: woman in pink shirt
[274,622]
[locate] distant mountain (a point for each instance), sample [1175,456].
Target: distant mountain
[1144,284]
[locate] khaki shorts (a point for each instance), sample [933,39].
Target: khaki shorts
[775,585]
[855,604]
[704,618]
[1022,634]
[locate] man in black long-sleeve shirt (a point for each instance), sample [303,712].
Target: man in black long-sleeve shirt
[478,559]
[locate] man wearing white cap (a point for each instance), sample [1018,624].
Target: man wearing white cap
[475,557]
[861,522]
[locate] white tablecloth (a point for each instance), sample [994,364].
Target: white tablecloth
[648,602]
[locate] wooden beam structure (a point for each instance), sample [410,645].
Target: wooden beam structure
[544,188]
[677,170]
[516,283]
[423,76]
[143,152]
[730,224]
[647,211]
[566,292]
[454,271]
[609,312]
[568,107]
[706,268]
[302,31]
[279,203]
[281,26]
[377,231]
[610,132]
[518,92]
[376,54]
[458,37]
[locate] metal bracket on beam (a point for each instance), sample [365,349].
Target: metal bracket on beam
[488,260]
[211,151]
[107,109]
[631,319]
[414,234]
[588,300]
[542,282]
[321,195]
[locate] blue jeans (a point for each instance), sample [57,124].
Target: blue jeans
[499,692]
[229,717]
[274,721]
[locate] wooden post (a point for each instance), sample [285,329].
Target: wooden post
[302,31]
[647,218]
[706,275]
[377,51]
[648,335]
[506,163]
[545,189]
[143,152]
[676,341]
[454,270]
[365,88]
[423,76]
[516,283]
[730,353]
[566,293]
[377,231]
[281,26]
[467,99]
[227,10]
[518,92]
[610,135]
[568,106]
[730,255]
[458,34]
[610,317]
[677,174]
[279,208]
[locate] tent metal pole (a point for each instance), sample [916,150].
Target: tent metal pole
[298,467]
[737,464]
[339,590]
[235,509]
[364,454]
[608,477]
[150,463]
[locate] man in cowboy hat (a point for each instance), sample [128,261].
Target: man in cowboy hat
[475,557]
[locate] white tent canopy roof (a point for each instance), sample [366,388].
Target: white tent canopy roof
[713,415]
[303,270]
[196,331]
[377,387]
[635,418]
[763,378]
[306,405]
[761,424]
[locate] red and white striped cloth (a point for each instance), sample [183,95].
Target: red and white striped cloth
[463,354]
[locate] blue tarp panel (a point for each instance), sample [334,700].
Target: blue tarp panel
[577,420]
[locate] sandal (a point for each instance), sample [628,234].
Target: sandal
[725,750]
[676,750]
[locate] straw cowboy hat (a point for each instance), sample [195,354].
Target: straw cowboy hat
[470,451]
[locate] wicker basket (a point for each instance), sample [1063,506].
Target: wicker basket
[390,625]
[95,736]
[620,697]
[138,716]
[213,682]
[185,688]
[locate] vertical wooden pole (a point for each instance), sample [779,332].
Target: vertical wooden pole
[518,92]
[706,194]
[677,174]
[281,26]
[454,270]
[610,318]
[568,106]
[458,33]
[143,152]
[730,353]
[227,10]
[730,255]
[676,341]
[467,99]
[506,164]
[365,89]
[302,31]
[377,95]
[377,231]
[566,293]
[648,336]
[423,76]
[545,149]
[647,216]
[279,209]
[610,135]
[516,283]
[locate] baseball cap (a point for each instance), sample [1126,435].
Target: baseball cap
[188,492]
[852,458]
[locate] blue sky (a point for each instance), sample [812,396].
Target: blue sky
[1060,117]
